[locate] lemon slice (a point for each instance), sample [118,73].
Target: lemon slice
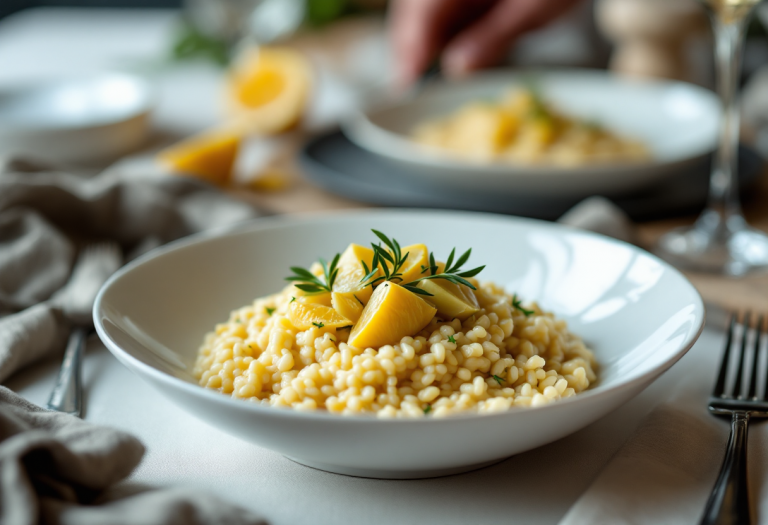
[306,315]
[316,298]
[392,313]
[210,156]
[354,254]
[418,257]
[452,300]
[347,306]
[268,88]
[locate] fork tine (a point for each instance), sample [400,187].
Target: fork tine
[752,394]
[720,384]
[742,349]
[762,346]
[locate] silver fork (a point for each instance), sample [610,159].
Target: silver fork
[93,267]
[736,397]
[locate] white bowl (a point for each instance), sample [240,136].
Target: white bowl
[638,314]
[678,121]
[74,121]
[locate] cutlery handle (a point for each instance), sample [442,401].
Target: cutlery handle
[729,502]
[67,394]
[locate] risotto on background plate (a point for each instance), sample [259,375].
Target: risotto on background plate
[392,332]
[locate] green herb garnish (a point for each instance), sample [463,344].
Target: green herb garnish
[269,310]
[498,379]
[319,325]
[427,409]
[306,281]
[517,304]
[292,299]
[396,260]
[451,339]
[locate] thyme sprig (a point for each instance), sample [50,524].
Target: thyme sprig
[396,259]
[308,282]
[452,272]
[394,256]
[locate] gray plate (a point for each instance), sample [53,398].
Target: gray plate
[332,162]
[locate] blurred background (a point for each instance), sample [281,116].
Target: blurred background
[197,59]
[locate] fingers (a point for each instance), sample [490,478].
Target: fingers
[486,42]
[415,30]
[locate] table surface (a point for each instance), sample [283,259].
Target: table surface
[52,42]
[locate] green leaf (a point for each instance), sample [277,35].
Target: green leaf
[471,273]
[191,43]
[319,325]
[427,409]
[449,261]
[384,239]
[452,339]
[463,259]
[292,299]
[322,12]
[517,304]
[384,254]
[302,272]
[417,291]
[311,288]
[269,310]
[498,379]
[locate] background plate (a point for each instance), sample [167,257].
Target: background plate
[677,121]
[332,162]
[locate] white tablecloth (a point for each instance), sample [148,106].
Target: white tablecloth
[537,487]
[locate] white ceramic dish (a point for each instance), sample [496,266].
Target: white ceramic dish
[637,313]
[74,121]
[678,122]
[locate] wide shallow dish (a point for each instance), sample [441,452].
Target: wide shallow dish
[677,121]
[86,120]
[637,313]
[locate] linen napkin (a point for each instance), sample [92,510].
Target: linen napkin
[55,468]
[45,214]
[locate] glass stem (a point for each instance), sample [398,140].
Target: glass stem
[723,205]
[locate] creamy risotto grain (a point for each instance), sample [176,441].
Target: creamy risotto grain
[496,359]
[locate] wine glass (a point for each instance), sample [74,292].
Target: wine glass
[721,241]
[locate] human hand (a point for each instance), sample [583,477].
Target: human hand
[464,34]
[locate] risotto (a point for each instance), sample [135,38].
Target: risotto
[456,346]
[521,128]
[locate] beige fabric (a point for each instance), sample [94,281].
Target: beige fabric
[45,215]
[55,468]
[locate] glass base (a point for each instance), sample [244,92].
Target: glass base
[714,245]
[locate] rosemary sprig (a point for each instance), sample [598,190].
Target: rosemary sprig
[393,256]
[517,305]
[396,259]
[452,272]
[306,281]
